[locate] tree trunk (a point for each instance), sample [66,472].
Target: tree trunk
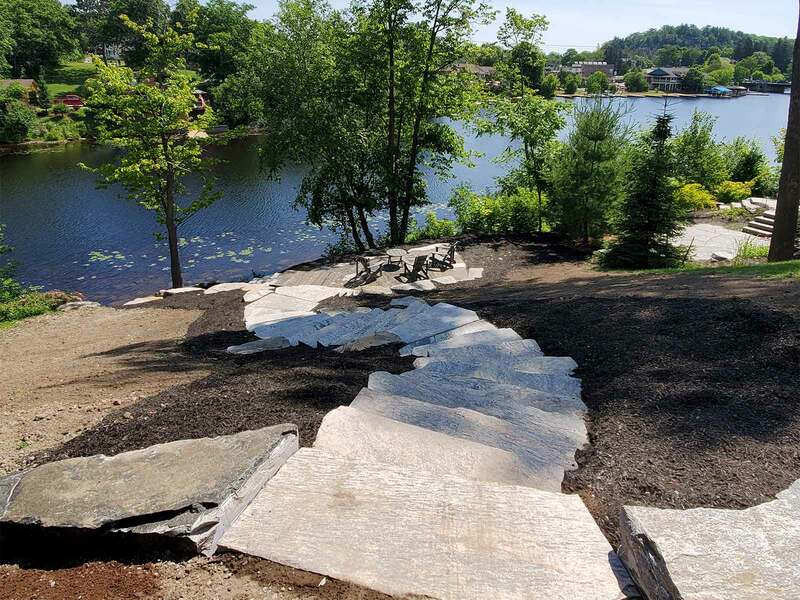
[169,221]
[539,193]
[391,154]
[784,231]
[362,219]
[354,229]
[414,152]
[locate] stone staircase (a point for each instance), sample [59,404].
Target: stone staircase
[444,481]
[762,225]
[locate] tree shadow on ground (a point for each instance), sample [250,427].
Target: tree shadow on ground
[296,385]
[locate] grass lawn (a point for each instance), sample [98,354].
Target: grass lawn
[69,78]
[778,270]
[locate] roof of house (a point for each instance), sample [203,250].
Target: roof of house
[671,71]
[26,83]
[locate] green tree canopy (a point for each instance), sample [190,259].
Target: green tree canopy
[699,158]
[586,176]
[41,33]
[151,115]
[635,81]
[649,217]
[597,83]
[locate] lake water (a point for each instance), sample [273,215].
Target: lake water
[69,235]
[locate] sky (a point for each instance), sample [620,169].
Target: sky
[584,24]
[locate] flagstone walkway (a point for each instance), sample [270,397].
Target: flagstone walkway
[444,481]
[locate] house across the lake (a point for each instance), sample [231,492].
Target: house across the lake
[666,79]
[29,85]
[587,68]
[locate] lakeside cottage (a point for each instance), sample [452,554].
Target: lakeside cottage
[29,85]
[666,79]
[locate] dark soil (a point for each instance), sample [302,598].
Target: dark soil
[692,401]
[297,385]
[93,581]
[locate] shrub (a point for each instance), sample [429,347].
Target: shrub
[735,214]
[734,191]
[586,178]
[699,157]
[597,83]
[16,120]
[498,213]
[434,229]
[27,305]
[635,81]
[694,196]
[60,109]
[549,86]
[748,250]
[649,218]
[571,83]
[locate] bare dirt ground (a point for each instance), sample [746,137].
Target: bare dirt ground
[107,380]
[63,372]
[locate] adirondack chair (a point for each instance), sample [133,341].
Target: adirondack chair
[445,256]
[368,268]
[417,269]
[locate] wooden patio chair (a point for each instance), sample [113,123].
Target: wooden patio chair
[368,268]
[417,269]
[445,256]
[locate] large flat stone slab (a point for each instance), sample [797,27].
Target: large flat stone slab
[404,532]
[521,356]
[260,316]
[294,330]
[545,442]
[311,293]
[237,286]
[472,339]
[554,383]
[489,397]
[716,554]
[190,488]
[473,327]
[366,436]
[436,319]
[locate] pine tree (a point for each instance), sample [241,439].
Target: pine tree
[649,216]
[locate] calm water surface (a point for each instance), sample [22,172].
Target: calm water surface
[69,235]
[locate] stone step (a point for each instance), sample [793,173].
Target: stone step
[768,221]
[526,363]
[770,214]
[435,320]
[339,331]
[767,228]
[407,532]
[545,442]
[361,435]
[489,397]
[163,489]
[311,293]
[756,232]
[553,383]
[473,327]
[293,329]
[514,352]
[715,553]
[467,340]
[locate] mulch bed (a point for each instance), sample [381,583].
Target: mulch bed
[296,385]
[692,402]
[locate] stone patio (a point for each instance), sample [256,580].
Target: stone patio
[712,242]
